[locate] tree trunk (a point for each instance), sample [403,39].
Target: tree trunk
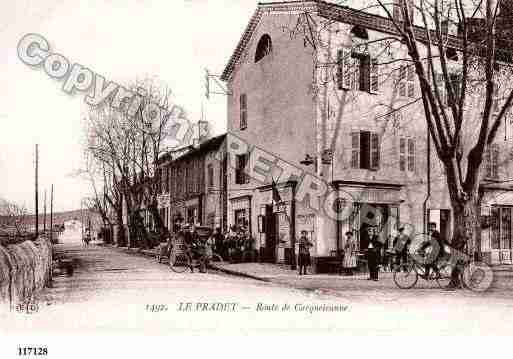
[465,233]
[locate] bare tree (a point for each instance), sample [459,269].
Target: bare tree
[125,149]
[14,216]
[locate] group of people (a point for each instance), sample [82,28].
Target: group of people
[236,245]
[378,252]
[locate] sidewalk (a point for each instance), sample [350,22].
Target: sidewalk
[281,274]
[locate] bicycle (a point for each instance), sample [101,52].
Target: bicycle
[182,259]
[407,274]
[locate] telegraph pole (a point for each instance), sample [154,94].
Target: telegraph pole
[44,216]
[36,191]
[51,214]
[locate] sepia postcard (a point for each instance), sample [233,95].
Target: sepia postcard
[245,167]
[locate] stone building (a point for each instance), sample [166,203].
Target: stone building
[192,185]
[323,104]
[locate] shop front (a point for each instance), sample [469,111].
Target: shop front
[497,227]
[367,205]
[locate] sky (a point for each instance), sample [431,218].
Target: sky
[119,39]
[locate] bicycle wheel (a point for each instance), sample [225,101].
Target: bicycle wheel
[443,277]
[179,262]
[405,276]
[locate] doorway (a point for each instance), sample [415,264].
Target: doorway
[269,251]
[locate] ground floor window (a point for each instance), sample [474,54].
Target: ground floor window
[241,218]
[501,227]
[374,218]
[192,215]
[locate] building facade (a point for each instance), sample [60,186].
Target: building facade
[192,186]
[325,105]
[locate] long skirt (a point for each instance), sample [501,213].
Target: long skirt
[304,259]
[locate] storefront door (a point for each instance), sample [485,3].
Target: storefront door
[271,233]
[501,234]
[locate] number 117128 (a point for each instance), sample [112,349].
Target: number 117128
[32,351]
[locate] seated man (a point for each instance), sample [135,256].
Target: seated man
[435,251]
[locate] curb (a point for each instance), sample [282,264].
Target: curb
[240,274]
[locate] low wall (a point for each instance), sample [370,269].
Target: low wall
[25,268]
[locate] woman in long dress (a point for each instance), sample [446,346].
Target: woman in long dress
[349,261]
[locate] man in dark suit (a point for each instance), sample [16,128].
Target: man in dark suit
[373,251]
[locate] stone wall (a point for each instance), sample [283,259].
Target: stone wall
[25,269]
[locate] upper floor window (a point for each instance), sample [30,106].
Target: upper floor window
[365,150]
[491,160]
[241,177]
[264,47]
[407,81]
[210,175]
[407,154]
[357,71]
[166,179]
[243,111]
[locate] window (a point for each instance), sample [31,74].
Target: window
[166,179]
[264,47]
[241,218]
[240,175]
[210,174]
[243,111]
[440,85]
[406,154]
[455,81]
[406,81]
[365,150]
[492,162]
[357,71]
[495,101]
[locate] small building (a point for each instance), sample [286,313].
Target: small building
[193,185]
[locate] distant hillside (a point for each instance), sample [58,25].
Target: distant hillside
[58,218]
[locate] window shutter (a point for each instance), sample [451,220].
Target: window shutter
[411,81]
[343,70]
[495,101]
[355,150]
[402,80]
[355,73]
[245,168]
[402,154]
[411,155]
[495,162]
[365,76]
[374,151]
[374,76]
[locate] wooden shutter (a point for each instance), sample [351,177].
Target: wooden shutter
[495,161]
[411,155]
[410,79]
[245,168]
[355,150]
[402,154]
[495,101]
[355,73]
[374,151]
[343,69]
[374,76]
[402,81]
[365,75]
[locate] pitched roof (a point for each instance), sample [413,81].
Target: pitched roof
[329,11]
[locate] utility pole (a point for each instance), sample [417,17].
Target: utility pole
[51,214]
[36,190]
[44,216]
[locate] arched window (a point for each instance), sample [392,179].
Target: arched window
[264,47]
[360,31]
